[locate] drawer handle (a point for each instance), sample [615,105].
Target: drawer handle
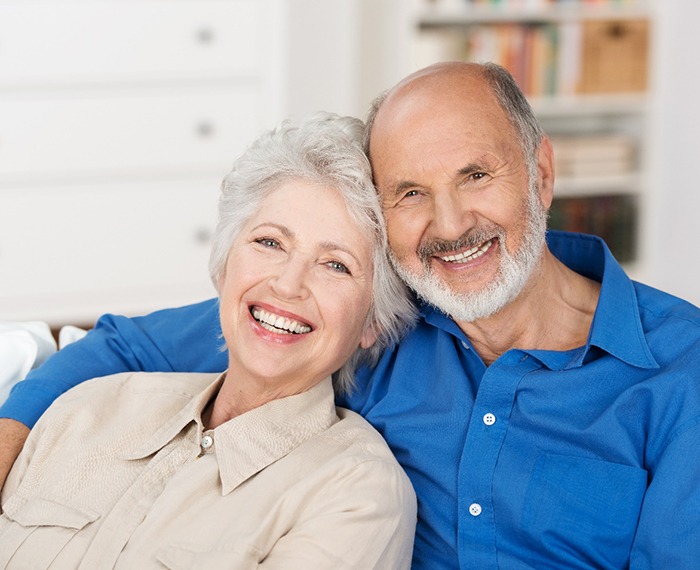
[205,36]
[202,236]
[205,130]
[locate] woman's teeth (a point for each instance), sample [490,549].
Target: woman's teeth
[275,323]
[469,254]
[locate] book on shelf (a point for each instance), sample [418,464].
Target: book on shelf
[536,4]
[550,59]
[611,217]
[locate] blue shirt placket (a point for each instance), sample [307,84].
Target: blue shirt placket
[487,430]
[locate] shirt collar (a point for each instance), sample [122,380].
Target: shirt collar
[616,328]
[617,325]
[250,442]
[190,412]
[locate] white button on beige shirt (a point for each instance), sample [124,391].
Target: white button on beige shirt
[119,473]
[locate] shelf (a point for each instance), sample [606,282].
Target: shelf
[567,187]
[581,105]
[451,14]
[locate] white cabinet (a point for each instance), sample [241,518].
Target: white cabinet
[99,247]
[586,68]
[118,120]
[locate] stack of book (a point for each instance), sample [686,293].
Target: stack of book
[587,156]
[611,217]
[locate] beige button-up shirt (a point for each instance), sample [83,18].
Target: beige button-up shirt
[119,473]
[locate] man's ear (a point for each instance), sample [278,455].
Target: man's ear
[545,172]
[369,337]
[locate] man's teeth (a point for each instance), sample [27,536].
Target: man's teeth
[278,324]
[469,254]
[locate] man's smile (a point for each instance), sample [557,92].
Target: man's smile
[468,254]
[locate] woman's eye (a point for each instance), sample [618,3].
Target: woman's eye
[268,242]
[338,267]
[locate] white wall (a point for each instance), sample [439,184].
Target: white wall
[674,210]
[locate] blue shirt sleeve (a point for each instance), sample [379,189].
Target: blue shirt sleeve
[186,339]
[668,534]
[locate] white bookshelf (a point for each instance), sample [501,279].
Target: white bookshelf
[440,30]
[462,12]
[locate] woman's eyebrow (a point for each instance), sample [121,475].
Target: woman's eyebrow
[284,230]
[334,246]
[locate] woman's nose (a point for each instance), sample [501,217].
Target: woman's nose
[289,281]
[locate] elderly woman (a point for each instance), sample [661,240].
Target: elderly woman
[256,467]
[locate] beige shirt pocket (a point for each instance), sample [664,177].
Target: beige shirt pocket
[34,531]
[175,557]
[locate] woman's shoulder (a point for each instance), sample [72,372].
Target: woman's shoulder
[352,457]
[354,439]
[174,383]
[129,395]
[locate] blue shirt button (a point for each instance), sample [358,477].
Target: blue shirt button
[489,419]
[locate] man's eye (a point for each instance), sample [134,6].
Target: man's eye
[477,175]
[338,267]
[411,194]
[268,242]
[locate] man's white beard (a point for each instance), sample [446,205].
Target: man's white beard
[513,273]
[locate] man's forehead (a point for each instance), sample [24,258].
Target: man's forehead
[426,111]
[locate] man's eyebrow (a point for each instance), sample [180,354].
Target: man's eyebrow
[481,164]
[404,185]
[471,168]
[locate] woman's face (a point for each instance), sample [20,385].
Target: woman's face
[296,290]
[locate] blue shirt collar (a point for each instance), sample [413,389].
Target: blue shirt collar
[616,328]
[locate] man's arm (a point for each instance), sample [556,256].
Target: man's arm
[12,437]
[668,534]
[185,339]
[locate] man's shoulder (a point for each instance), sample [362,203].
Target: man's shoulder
[659,309]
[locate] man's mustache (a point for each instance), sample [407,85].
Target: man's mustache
[471,238]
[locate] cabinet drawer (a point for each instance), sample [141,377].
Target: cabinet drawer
[177,131]
[70,254]
[107,41]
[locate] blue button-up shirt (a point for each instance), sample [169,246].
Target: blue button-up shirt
[587,458]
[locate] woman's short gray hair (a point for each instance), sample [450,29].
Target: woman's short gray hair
[325,150]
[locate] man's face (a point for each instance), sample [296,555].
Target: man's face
[465,224]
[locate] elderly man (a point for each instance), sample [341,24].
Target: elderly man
[546,408]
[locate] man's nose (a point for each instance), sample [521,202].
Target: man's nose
[451,217]
[289,280]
